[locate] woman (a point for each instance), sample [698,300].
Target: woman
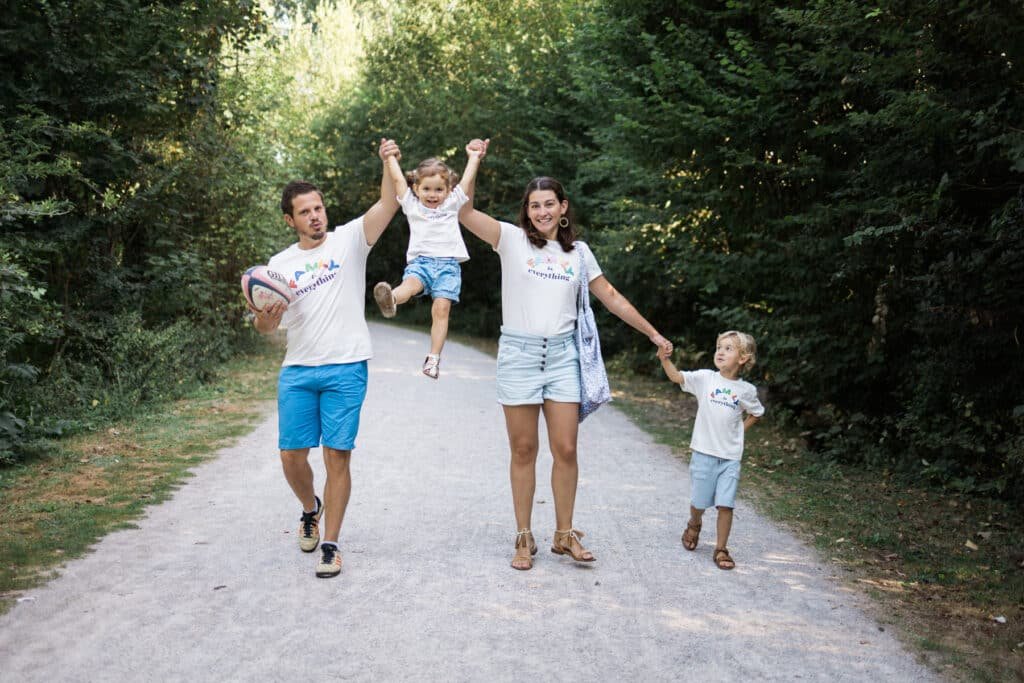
[538,364]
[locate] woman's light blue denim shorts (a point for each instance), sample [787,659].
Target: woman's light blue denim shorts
[713,481]
[533,369]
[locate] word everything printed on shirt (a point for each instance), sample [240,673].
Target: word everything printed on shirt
[319,280]
[725,397]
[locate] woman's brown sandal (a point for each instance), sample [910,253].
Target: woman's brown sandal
[691,536]
[524,541]
[561,548]
[722,559]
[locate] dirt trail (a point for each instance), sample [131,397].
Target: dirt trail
[211,585]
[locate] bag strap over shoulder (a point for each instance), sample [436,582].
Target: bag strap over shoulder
[583,284]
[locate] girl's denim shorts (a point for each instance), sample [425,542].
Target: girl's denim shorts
[441,277]
[534,369]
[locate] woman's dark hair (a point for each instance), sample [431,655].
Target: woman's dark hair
[566,234]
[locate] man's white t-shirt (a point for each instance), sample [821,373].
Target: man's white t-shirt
[435,232]
[538,286]
[326,323]
[721,403]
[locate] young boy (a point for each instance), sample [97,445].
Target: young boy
[723,399]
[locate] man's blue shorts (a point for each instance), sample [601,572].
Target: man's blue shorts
[320,405]
[713,481]
[441,277]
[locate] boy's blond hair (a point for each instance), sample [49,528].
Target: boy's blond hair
[748,347]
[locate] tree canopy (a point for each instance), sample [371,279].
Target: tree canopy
[841,179]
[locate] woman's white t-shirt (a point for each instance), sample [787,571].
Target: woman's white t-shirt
[435,232]
[721,403]
[538,286]
[326,323]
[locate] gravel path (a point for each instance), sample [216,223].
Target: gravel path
[211,586]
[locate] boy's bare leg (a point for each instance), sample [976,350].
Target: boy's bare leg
[724,527]
[721,556]
[691,535]
[439,313]
[696,516]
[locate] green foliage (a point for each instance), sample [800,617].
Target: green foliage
[123,186]
[841,179]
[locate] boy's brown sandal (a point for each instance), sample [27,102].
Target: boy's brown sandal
[722,559]
[524,539]
[559,547]
[691,536]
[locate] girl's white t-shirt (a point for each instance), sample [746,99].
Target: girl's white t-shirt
[435,232]
[538,286]
[326,323]
[721,403]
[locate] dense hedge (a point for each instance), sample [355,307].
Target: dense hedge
[122,189]
[843,179]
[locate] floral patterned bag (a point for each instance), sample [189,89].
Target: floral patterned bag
[594,389]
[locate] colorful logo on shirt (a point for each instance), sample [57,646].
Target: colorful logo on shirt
[548,267]
[442,213]
[320,272]
[725,396]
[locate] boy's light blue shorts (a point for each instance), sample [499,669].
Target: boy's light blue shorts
[320,405]
[534,369]
[713,481]
[441,277]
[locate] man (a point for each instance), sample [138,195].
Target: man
[323,377]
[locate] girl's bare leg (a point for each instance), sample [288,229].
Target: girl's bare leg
[439,312]
[410,287]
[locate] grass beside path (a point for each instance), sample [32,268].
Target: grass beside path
[54,509]
[941,567]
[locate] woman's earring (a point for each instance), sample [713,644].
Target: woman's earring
[563,222]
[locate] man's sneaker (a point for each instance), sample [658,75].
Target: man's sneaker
[385,299]
[309,528]
[330,562]
[431,366]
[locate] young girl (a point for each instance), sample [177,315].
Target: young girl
[726,408]
[436,248]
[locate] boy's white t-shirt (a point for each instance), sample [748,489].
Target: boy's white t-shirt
[326,323]
[721,402]
[538,286]
[435,232]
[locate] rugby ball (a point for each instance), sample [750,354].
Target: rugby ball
[263,286]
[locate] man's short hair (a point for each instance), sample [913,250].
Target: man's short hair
[293,190]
